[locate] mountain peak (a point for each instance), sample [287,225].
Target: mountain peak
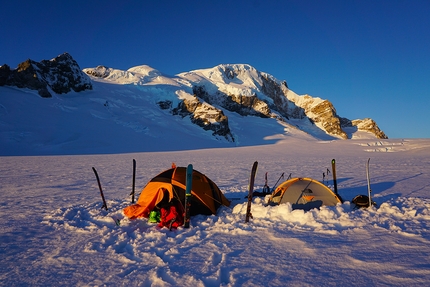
[60,75]
[144,70]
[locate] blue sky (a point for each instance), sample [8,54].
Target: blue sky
[369,58]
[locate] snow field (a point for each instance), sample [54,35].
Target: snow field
[54,231]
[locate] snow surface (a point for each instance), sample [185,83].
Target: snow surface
[54,232]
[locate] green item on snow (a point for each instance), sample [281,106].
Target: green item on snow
[154,216]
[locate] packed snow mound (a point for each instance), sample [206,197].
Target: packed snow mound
[145,70]
[114,75]
[139,75]
[238,78]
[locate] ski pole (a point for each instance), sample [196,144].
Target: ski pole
[282,176]
[266,188]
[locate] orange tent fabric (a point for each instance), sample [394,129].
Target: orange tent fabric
[206,196]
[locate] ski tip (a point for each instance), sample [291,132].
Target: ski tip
[116,220]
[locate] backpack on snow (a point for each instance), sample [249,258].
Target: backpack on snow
[362,201]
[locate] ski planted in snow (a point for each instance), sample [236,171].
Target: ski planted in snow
[134,181]
[187,205]
[101,190]
[250,191]
[369,190]
[333,172]
[117,220]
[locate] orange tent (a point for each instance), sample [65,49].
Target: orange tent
[206,196]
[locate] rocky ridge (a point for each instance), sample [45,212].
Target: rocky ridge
[60,75]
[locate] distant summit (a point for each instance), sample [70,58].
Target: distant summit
[60,75]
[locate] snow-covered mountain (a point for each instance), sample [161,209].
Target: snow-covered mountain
[205,94]
[81,111]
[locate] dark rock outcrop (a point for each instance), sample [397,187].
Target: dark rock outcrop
[61,75]
[274,91]
[243,105]
[205,116]
[369,125]
[99,71]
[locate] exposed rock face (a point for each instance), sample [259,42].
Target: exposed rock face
[370,126]
[323,114]
[273,90]
[243,105]
[99,71]
[203,115]
[61,74]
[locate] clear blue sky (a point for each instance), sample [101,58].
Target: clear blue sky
[369,58]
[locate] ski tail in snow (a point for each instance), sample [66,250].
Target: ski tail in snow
[101,190]
[187,205]
[333,172]
[117,220]
[369,189]
[134,181]
[250,191]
